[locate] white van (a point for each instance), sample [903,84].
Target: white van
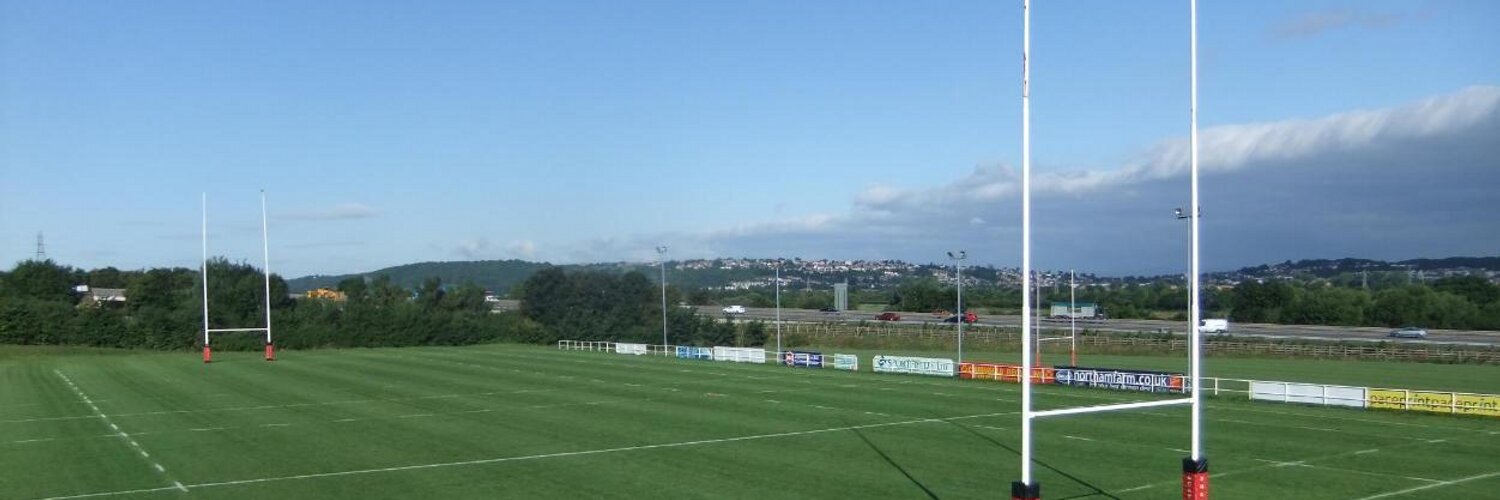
[1213,326]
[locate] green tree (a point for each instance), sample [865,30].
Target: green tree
[1475,289]
[40,280]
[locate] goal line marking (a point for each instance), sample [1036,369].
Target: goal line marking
[177,485]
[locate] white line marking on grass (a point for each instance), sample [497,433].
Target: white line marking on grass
[1438,484]
[1270,464]
[206,429]
[1435,441]
[542,456]
[1319,429]
[121,434]
[1080,438]
[42,440]
[417,415]
[1363,452]
[346,420]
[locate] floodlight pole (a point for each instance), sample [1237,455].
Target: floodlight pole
[958,260]
[1036,313]
[265,242]
[1025,489]
[778,308]
[203,272]
[1073,315]
[1195,467]
[661,253]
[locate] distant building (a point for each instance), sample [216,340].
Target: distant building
[97,297]
[326,294]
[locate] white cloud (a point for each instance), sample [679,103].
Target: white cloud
[477,248]
[521,249]
[1221,148]
[342,211]
[1279,189]
[1314,23]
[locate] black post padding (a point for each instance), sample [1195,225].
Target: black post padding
[1020,490]
[1199,465]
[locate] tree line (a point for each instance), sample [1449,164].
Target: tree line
[163,310]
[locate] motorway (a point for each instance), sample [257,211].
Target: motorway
[1484,338]
[1314,332]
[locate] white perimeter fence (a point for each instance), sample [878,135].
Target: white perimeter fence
[1459,403]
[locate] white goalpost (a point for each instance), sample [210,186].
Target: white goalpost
[266,268]
[1195,466]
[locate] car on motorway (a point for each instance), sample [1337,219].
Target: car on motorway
[1409,332]
[888,316]
[969,317]
[1213,326]
[735,309]
[829,310]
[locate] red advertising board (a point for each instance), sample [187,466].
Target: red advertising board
[1005,372]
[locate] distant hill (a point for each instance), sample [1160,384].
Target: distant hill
[501,275]
[1333,267]
[497,275]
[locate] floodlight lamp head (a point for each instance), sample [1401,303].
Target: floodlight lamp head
[1178,212]
[661,249]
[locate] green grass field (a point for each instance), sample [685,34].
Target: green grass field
[506,421]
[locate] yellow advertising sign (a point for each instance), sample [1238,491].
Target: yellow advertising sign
[1438,402]
[1386,398]
[1476,404]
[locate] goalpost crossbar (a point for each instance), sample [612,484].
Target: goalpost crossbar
[1110,407]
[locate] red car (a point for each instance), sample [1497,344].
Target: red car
[888,316]
[969,317]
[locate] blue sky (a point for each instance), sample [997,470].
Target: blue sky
[393,132]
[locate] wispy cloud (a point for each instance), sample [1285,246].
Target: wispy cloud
[325,244]
[1222,148]
[1314,23]
[1281,189]
[342,211]
[481,248]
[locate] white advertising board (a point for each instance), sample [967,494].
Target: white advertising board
[942,367]
[624,348]
[740,354]
[1313,394]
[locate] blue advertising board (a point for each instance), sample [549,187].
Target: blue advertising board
[690,352]
[1125,380]
[802,359]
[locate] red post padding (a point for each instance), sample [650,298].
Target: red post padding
[270,352]
[208,355]
[1195,479]
[1023,491]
